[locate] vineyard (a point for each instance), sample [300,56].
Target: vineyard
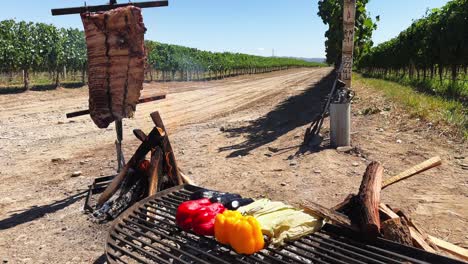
[50,56]
[431,54]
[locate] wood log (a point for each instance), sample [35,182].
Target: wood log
[170,161]
[418,240]
[396,230]
[331,215]
[387,213]
[155,172]
[451,248]
[428,164]
[345,204]
[153,139]
[139,134]
[186,179]
[369,200]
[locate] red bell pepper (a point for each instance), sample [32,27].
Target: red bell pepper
[203,222]
[198,215]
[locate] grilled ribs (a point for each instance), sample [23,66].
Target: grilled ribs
[116,62]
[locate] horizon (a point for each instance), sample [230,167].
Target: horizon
[250,28]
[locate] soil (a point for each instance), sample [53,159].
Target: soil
[241,134]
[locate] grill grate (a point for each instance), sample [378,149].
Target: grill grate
[147,233]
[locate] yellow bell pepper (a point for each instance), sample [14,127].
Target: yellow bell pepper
[244,234]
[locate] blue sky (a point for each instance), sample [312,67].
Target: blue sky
[290,27]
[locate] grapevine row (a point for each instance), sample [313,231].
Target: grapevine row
[27,47]
[432,53]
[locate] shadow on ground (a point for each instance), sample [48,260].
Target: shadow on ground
[294,112]
[36,212]
[40,87]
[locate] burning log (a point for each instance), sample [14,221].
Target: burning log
[170,164]
[151,141]
[155,172]
[140,178]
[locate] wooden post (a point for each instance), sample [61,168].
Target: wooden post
[340,122]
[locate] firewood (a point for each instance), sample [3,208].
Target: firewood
[387,212]
[154,137]
[417,233]
[345,204]
[186,178]
[369,200]
[331,215]
[155,171]
[139,134]
[418,240]
[170,161]
[449,247]
[428,164]
[396,230]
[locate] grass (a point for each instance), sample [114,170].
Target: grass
[429,107]
[454,90]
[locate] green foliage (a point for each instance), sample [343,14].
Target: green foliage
[433,109]
[39,47]
[165,57]
[432,53]
[331,12]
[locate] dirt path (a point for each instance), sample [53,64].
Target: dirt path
[221,131]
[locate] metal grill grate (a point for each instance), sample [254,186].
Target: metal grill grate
[147,233]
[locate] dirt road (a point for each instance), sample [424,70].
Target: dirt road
[222,132]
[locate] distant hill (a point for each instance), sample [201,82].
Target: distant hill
[319,60]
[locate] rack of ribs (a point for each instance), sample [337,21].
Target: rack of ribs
[116,62]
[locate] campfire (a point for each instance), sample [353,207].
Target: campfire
[141,177]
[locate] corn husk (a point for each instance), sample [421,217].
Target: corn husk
[282,222]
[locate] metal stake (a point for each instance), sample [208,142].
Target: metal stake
[118,145]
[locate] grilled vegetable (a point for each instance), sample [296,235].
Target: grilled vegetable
[198,215]
[225,198]
[244,234]
[187,210]
[204,220]
[282,222]
[224,226]
[204,194]
[236,203]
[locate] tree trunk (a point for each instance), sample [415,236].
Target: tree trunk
[26,79]
[441,71]
[57,79]
[454,73]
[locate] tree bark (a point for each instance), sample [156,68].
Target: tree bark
[57,79]
[397,230]
[26,79]
[369,200]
